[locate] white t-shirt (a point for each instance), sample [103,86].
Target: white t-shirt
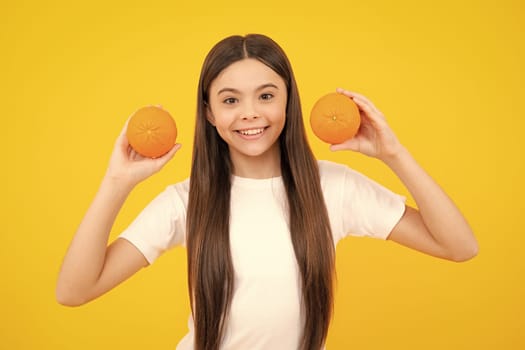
[266,304]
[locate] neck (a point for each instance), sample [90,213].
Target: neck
[263,166]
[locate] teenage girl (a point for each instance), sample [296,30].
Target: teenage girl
[259,216]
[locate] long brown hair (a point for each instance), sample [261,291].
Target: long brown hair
[210,267]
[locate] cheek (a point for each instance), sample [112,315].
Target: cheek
[223,118]
[277,113]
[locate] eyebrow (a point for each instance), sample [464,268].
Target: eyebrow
[264,86]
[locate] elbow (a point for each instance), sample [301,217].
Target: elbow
[66,297]
[468,252]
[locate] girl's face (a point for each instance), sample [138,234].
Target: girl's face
[247,105]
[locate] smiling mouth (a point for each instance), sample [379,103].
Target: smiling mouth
[251,132]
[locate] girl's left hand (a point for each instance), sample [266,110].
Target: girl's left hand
[374,137]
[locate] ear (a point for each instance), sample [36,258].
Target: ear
[209,115]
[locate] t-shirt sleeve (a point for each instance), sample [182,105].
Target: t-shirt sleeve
[160,226]
[369,209]
[359,206]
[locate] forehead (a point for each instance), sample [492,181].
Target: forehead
[246,74]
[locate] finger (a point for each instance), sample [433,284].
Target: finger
[374,116]
[175,148]
[349,145]
[370,116]
[157,105]
[161,161]
[338,147]
[347,92]
[353,94]
[344,92]
[122,139]
[125,127]
[365,105]
[134,155]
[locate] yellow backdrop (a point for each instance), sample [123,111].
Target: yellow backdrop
[449,77]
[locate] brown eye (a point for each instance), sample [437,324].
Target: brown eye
[266,97]
[230,101]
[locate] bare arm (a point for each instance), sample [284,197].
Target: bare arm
[90,268]
[438,228]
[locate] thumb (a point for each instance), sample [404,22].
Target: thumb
[161,161]
[348,145]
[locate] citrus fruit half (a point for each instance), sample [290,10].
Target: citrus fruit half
[151,131]
[335,118]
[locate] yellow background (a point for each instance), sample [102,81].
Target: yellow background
[448,76]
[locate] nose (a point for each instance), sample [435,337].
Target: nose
[249,111]
[250,116]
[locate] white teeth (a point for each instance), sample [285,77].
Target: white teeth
[251,131]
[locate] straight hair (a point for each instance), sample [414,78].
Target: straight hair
[210,267]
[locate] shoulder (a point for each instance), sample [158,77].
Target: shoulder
[175,193]
[161,224]
[328,168]
[341,181]
[333,178]
[181,188]
[331,172]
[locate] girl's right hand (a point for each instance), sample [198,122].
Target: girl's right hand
[129,167]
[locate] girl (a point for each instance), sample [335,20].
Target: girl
[260,216]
